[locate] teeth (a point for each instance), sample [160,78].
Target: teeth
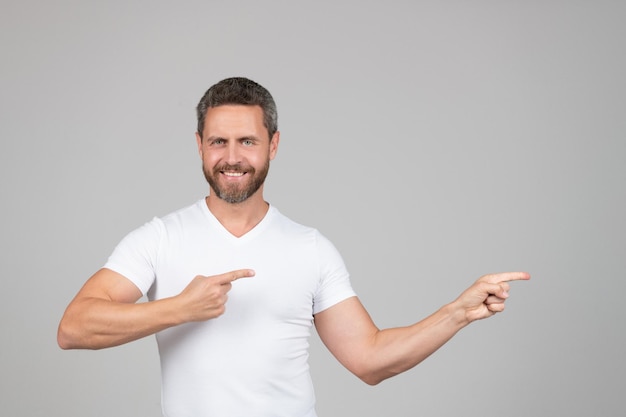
[233,174]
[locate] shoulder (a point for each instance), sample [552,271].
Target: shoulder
[302,232]
[287,225]
[158,227]
[192,212]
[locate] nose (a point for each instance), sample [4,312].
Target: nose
[233,156]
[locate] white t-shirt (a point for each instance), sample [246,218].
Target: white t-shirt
[253,360]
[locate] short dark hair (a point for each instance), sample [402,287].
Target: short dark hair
[239,90]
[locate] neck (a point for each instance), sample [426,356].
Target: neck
[238,218]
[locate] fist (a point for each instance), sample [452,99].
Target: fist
[205,298]
[487,295]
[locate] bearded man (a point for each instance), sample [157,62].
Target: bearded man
[241,348]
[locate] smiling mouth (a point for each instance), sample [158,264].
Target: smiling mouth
[233,173]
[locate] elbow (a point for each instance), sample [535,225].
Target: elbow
[64,339]
[371,380]
[72,332]
[64,344]
[369,376]
[69,336]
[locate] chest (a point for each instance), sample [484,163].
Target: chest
[287,273]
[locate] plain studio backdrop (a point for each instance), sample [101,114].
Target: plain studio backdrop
[432,142]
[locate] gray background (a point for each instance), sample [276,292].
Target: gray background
[432,142]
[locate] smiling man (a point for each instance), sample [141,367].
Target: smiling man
[241,348]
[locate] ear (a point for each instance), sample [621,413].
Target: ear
[274,145]
[199,142]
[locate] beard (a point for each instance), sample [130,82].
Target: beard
[236,193]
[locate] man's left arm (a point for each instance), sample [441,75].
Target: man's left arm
[375,355]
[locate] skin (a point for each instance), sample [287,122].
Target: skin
[104,313]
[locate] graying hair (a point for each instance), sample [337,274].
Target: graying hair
[239,90]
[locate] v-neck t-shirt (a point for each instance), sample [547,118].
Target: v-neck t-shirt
[252,360]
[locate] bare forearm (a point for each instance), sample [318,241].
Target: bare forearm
[396,350]
[94,323]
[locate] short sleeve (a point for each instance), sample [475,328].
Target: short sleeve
[334,285]
[136,255]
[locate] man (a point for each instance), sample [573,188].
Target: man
[240,348]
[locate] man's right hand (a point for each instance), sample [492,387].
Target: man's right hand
[205,298]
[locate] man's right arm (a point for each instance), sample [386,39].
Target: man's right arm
[105,311]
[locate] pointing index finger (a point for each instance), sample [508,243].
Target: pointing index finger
[506,277]
[231,276]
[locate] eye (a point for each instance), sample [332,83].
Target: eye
[218,141]
[247,142]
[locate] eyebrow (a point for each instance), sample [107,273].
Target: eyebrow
[247,137]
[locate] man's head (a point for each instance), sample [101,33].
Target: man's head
[242,91]
[237,138]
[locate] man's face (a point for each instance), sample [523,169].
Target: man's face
[236,151]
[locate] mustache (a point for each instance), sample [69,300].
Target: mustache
[233,168]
